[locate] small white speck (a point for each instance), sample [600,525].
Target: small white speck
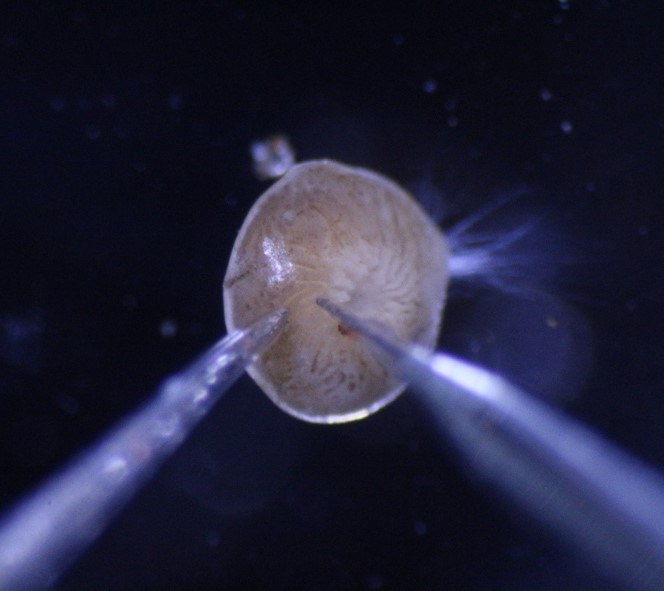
[168,328]
[201,395]
[116,467]
[430,86]
[545,94]
[168,426]
[566,127]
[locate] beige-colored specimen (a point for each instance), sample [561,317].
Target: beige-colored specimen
[357,239]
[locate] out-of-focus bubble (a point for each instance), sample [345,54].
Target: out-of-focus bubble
[430,85]
[168,328]
[272,157]
[545,94]
[227,466]
[21,340]
[566,127]
[175,100]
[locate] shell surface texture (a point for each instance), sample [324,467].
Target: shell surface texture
[357,239]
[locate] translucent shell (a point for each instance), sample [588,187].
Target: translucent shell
[358,239]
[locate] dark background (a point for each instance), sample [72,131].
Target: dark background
[125,175]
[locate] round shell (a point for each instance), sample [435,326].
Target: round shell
[357,239]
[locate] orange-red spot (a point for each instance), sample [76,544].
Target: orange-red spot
[346,332]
